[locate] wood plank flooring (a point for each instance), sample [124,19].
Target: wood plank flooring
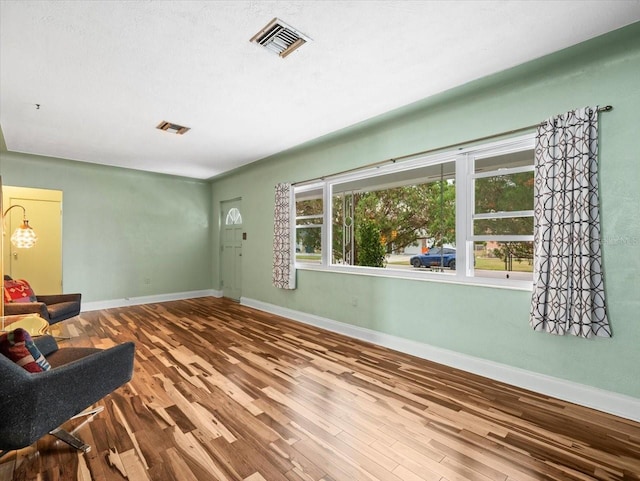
[222,392]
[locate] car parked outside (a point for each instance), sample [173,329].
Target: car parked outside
[434,258]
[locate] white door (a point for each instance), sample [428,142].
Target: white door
[41,265]
[231,245]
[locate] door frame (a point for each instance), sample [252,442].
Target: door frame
[12,195]
[223,205]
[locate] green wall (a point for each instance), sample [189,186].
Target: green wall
[478,321]
[121,227]
[126,233]
[3,145]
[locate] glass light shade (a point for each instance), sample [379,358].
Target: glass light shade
[24,237]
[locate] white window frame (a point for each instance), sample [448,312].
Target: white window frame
[465,206]
[234,217]
[464,224]
[316,186]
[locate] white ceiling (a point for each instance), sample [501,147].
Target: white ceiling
[105,73]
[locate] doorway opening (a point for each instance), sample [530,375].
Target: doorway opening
[40,265]
[231,248]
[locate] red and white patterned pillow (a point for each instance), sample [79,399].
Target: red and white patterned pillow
[18,290]
[18,346]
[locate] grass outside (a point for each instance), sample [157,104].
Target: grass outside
[482,263]
[493,264]
[308,257]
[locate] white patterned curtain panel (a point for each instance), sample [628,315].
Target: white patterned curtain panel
[284,272]
[568,286]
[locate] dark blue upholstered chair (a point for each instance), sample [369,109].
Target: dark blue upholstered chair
[52,308]
[35,404]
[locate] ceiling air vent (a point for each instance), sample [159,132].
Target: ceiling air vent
[169,127]
[280,38]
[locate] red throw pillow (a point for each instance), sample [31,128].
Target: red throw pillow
[18,346]
[18,290]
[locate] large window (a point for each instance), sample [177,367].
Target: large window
[502,231]
[461,216]
[379,221]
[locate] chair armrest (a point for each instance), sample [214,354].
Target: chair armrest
[46,344]
[36,403]
[58,298]
[19,308]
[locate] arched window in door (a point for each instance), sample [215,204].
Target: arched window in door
[233,217]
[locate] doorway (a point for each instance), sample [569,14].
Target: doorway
[40,265]
[231,249]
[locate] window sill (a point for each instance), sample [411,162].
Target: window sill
[423,276]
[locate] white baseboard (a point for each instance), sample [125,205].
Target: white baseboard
[610,402]
[135,301]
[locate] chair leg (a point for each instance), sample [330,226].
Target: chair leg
[70,438]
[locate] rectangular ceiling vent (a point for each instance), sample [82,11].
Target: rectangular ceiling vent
[280,38]
[174,128]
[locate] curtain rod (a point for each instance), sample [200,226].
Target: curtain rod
[393,160]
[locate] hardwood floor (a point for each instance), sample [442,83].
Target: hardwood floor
[224,392]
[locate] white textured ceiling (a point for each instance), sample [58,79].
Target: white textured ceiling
[105,73]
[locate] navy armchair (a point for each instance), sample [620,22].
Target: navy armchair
[52,308]
[35,404]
